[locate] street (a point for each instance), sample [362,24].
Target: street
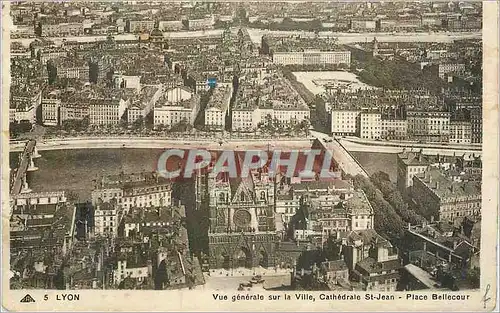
[153,143]
[427,148]
[217,280]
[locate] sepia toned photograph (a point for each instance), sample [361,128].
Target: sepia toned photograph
[254,151]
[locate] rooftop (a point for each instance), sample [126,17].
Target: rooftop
[146,94]
[301,44]
[271,92]
[384,99]
[367,237]
[338,265]
[132,180]
[220,97]
[358,204]
[420,274]
[448,184]
[153,214]
[417,158]
[370,265]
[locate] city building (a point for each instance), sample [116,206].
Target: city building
[218,107]
[42,228]
[415,278]
[127,81]
[99,68]
[242,231]
[321,216]
[465,24]
[407,23]
[372,260]
[286,206]
[133,267]
[393,128]
[170,25]
[201,23]
[144,103]
[107,111]
[51,103]
[305,51]
[410,164]
[71,68]
[60,28]
[344,122]
[450,68]
[472,104]
[429,126]
[434,245]
[106,219]
[73,109]
[143,219]
[460,132]
[180,106]
[446,194]
[18,51]
[271,103]
[362,25]
[323,195]
[24,101]
[139,25]
[134,190]
[312,57]
[370,125]
[335,273]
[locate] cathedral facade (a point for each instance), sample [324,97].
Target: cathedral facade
[242,228]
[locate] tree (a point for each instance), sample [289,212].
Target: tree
[52,72]
[392,195]
[386,221]
[332,249]
[241,15]
[127,283]
[76,124]
[268,124]
[182,126]
[467,226]
[304,126]
[138,124]
[473,277]
[17,128]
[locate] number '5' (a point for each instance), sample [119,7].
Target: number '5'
[46,297]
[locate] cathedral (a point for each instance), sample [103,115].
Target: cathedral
[242,231]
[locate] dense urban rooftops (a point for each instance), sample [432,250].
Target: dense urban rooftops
[301,44]
[378,98]
[448,184]
[367,237]
[358,204]
[131,180]
[220,97]
[370,265]
[272,92]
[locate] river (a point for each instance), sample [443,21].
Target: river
[75,170]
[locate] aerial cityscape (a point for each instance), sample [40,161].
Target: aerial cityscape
[103,94]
